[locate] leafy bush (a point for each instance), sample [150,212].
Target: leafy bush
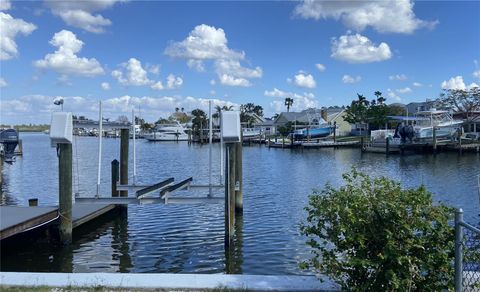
[372,235]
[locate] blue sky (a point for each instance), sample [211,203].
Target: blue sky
[155,56]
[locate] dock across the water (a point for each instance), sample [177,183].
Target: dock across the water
[17,219]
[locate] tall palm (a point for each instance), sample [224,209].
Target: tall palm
[288,103]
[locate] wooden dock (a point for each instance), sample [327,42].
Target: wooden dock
[16,219]
[323,144]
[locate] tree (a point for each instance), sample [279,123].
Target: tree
[372,235]
[199,120]
[122,119]
[396,110]
[247,112]
[288,103]
[356,112]
[219,109]
[461,101]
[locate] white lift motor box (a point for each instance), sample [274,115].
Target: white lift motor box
[231,129]
[61,128]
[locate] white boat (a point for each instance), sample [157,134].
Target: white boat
[168,132]
[251,133]
[445,125]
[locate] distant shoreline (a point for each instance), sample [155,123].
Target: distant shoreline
[27,128]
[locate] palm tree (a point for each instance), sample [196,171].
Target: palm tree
[288,103]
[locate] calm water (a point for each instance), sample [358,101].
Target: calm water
[189,238]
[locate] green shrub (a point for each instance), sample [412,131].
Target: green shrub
[372,235]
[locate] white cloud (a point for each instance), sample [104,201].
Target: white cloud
[395,16]
[304,80]
[206,43]
[131,73]
[65,61]
[213,82]
[80,14]
[10,28]
[347,79]
[3,83]
[417,84]
[154,69]
[399,77]
[355,48]
[230,80]
[404,90]
[158,85]
[174,82]
[300,101]
[392,95]
[5,5]
[476,74]
[105,85]
[320,67]
[457,83]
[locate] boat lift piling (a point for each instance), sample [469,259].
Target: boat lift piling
[124,136]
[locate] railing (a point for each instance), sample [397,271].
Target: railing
[467,255]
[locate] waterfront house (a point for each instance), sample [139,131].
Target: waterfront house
[337,116]
[414,107]
[266,127]
[471,124]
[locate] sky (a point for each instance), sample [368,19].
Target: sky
[155,56]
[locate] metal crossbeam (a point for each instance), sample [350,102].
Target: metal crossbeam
[158,186]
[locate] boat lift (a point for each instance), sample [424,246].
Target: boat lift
[159,193]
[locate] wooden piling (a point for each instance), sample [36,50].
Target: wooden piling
[334,132]
[229,194]
[33,202]
[387,146]
[124,133]
[115,175]
[434,137]
[238,178]
[19,147]
[1,171]
[65,192]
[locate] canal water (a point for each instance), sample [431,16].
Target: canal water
[189,238]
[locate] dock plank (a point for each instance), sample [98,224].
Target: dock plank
[82,213]
[18,219]
[15,219]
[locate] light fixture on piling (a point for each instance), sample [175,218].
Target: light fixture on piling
[58,101]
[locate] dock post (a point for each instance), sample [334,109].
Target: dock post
[229,194]
[33,202]
[387,146]
[20,147]
[362,143]
[238,178]
[434,137]
[124,133]
[335,132]
[460,150]
[1,171]
[115,169]
[65,192]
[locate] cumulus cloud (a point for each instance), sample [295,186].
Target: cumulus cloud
[355,48]
[65,60]
[3,83]
[132,73]
[10,28]
[404,90]
[457,83]
[5,5]
[476,74]
[399,77]
[81,14]
[300,101]
[320,67]
[386,16]
[207,43]
[304,80]
[105,85]
[417,84]
[347,79]
[392,95]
